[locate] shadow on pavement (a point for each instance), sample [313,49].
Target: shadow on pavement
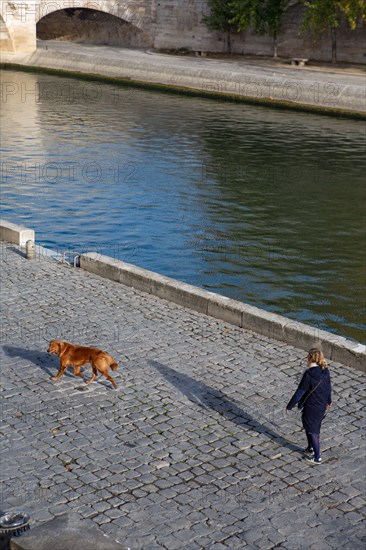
[48,363]
[210,398]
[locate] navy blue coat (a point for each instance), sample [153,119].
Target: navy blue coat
[314,393]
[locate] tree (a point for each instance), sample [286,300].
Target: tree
[264,16]
[221,14]
[327,15]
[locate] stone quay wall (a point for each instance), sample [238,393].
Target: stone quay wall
[179,25]
[163,24]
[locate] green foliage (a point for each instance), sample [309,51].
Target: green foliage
[322,15]
[221,14]
[354,11]
[220,18]
[264,16]
[327,15]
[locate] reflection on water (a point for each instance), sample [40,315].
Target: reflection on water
[264,206]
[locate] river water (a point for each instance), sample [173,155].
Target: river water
[265,206]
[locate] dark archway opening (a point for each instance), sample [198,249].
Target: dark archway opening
[88,26]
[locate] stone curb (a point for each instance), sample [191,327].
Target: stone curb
[15,234]
[336,348]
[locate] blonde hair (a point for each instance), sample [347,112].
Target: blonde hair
[316,356]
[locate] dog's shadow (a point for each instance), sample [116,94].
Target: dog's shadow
[48,363]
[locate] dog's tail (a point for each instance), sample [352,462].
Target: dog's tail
[114,365]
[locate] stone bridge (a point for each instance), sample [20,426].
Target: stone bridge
[19,18]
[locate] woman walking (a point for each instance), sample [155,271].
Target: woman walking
[313,396]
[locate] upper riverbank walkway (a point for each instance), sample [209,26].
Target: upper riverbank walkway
[193,449]
[331,89]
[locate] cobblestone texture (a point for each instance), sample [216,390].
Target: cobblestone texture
[193,449]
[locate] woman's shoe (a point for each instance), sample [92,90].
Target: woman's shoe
[308,452]
[313,460]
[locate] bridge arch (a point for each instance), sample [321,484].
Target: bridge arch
[127,10]
[91,26]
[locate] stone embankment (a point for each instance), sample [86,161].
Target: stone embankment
[327,90]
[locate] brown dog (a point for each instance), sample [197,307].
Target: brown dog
[77,356]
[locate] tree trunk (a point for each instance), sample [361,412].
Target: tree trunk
[334,44]
[228,42]
[275,45]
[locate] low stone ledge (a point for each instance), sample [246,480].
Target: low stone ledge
[158,285]
[15,234]
[272,325]
[64,533]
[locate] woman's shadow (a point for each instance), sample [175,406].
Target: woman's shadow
[210,398]
[48,363]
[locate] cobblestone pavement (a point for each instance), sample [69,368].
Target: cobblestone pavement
[193,449]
